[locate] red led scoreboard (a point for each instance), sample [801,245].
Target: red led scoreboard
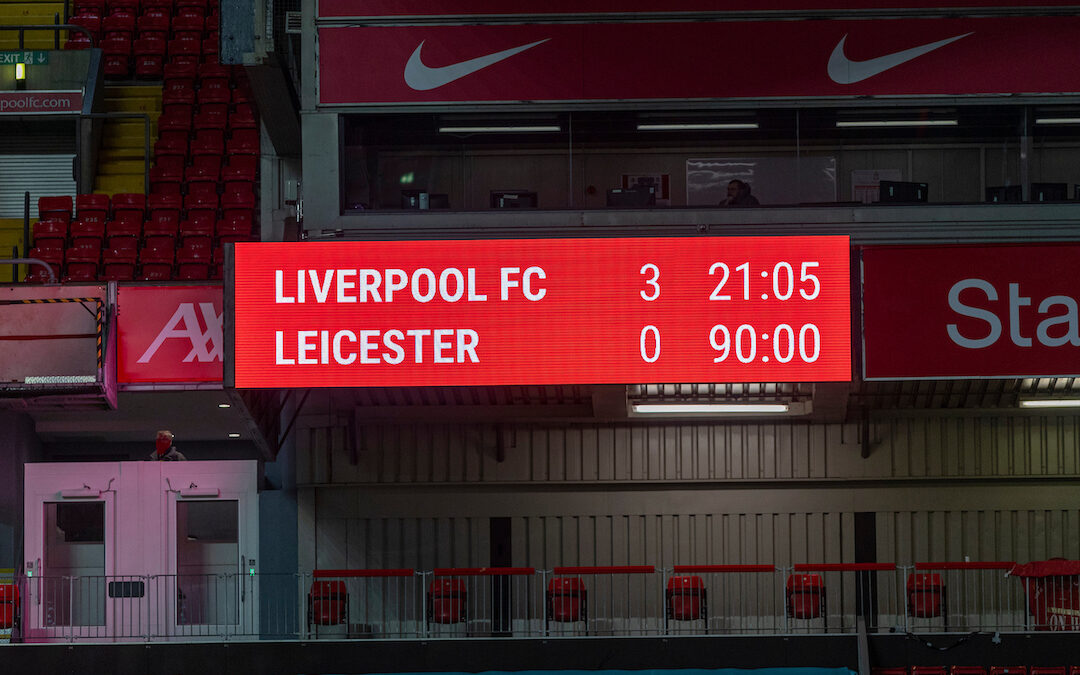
[542,311]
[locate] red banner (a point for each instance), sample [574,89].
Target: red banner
[753,59]
[552,311]
[40,102]
[169,334]
[372,8]
[971,311]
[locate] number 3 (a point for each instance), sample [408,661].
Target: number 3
[651,282]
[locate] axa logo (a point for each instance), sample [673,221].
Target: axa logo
[206,345]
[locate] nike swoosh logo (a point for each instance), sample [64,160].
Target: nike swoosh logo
[422,78]
[843,70]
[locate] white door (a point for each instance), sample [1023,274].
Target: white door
[70,518]
[211,538]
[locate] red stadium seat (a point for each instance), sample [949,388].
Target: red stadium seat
[167,179]
[191,7]
[926,595]
[50,233]
[93,208]
[1048,670]
[118,262]
[193,263]
[55,208]
[53,257]
[240,169]
[165,211]
[929,670]
[9,606]
[131,6]
[210,49]
[1008,670]
[566,600]
[243,117]
[87,231]
[328,603]
[241,94]
[118,24]
[204,172]
[187,52]
[805,596]
[201,204]
[214,117]
[967,670]
[170,145]
[165,6]
[90,7]
[447,600]
[244,142]
[238,198]
[77,40]
[117,54]
[149,57]
[208,142]
[82,262]
[188,27]
[119,229]
[153,24]
[686,599]
[156,264]
[91,22]
[129,207]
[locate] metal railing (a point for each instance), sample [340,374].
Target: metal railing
[55,27]
[563,601]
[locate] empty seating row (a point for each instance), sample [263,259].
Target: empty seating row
[125,262]
[103,7]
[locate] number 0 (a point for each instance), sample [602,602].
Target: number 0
[656,344]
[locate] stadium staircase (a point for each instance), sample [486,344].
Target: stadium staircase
[120,158]
[28,13]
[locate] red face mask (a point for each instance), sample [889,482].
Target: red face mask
[163,444]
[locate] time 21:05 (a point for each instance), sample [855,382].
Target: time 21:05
[784,281]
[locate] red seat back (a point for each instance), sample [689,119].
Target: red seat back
[685,598]
[9,605]
[926,594]
[447,600]
[328,602]
[566,599]
[804,596]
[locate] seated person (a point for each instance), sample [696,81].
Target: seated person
[738,194]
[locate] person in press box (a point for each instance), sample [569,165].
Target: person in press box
[164,450]
[738,194]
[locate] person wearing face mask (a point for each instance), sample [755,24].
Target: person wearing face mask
[164,450]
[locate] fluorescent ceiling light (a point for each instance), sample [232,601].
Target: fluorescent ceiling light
[234,435]
[841,124]
[694,126]
[710,408]
[500,129]
[223,405]
[1051,403]
[1057,120]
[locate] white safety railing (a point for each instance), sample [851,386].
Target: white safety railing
[564,601]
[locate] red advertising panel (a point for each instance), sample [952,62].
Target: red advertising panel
[40,102]
[552,311]
[971,311]
[634,60]
[372,8]
[169,334]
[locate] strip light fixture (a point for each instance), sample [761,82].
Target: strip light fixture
[516,129]
[20,72]
[694,126]
[868,124]
[1057,120]
[1051,403]
[710,408]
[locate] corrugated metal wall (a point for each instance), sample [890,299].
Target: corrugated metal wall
[901,447]
[989,488]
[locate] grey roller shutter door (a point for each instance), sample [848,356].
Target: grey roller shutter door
[42,175]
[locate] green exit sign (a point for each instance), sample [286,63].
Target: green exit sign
[30,58]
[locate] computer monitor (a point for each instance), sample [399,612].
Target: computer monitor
[513,199]
[1004,193]
[639,196]
[894,191]
[1049,192]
